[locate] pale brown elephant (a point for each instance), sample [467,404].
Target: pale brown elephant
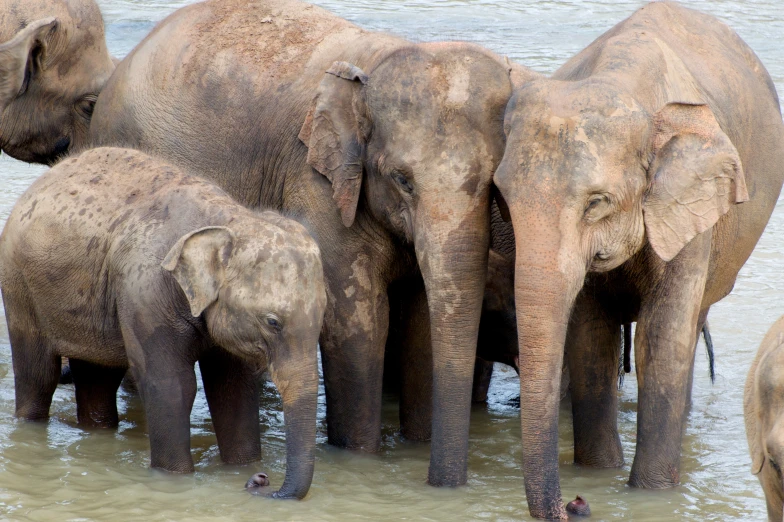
[53,65]
[118,260]
[763,410]
[638,179]
[384,149]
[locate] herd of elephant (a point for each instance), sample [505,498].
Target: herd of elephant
[256,180]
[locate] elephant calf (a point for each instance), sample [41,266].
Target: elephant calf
[117,260]
[763,409]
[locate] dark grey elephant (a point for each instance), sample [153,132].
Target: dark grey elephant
[53,65]
[383,148]
[623,175]
[117,260]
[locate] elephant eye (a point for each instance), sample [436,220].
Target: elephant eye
[87,105]
[597,201]
[273,322]
[403,182]
[775,466]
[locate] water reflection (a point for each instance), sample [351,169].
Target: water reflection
[59,471]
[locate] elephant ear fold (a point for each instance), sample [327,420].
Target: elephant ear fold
[334,131]
[22,56]
[695,177]
[198,263]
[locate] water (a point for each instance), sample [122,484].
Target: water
[59,471]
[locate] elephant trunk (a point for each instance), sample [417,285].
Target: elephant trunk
[298,387]
[453,257]
[545,290]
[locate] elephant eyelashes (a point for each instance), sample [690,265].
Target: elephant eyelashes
[595,204]
[403,182]
[774,465]
[274,323]
[87,105]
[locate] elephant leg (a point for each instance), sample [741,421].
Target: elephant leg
[232,395]
[416,392]
[483,374]
[96,393]
[664,348]
[162,365]
[36,365]
[593,346]
[352,356]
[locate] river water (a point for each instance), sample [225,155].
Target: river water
[59,471]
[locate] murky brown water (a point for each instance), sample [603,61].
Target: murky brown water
[59,471]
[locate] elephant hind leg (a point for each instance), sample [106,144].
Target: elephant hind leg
[96,393]
[593,348]
[36,365]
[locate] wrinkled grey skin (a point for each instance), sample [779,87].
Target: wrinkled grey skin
[384,148]
[53,65]
[763,411]
[639,178]
[117,260]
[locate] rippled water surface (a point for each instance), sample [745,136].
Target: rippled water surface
[59,471]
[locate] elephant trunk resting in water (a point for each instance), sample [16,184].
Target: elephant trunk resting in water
[53,63]
[622,176]
[383,148]
[117,260]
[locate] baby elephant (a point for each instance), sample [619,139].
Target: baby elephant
[763,409]
[117,260]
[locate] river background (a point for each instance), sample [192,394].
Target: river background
[59,471]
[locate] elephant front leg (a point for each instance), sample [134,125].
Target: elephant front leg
[162,364]
[593,344]
[416,392]
[232,394]
[664,353]
[352,355]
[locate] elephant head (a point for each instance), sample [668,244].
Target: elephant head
[763,409]
[596,170]
[53,65]
[261,289]
[413,144]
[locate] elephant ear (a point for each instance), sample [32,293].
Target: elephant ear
[695,177]
[198,263]
[22,56]
[333,133]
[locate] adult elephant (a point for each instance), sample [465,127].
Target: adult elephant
[384,149]
[53,65]
[621,175]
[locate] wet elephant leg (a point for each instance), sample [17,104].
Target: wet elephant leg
[162,364]
[352,355]
[416,392]
[36,366]
[593,346]
[483,374]
[664,347]
[96,393]
[232,394]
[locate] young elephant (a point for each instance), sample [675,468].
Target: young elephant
[115,260]
[53,64]
[763,409]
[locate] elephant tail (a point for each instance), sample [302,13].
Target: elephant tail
[625,364]
[709,348]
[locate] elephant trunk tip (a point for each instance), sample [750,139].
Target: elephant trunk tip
[579,507]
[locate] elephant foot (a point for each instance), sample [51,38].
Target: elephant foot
[579,507]
[668,479]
